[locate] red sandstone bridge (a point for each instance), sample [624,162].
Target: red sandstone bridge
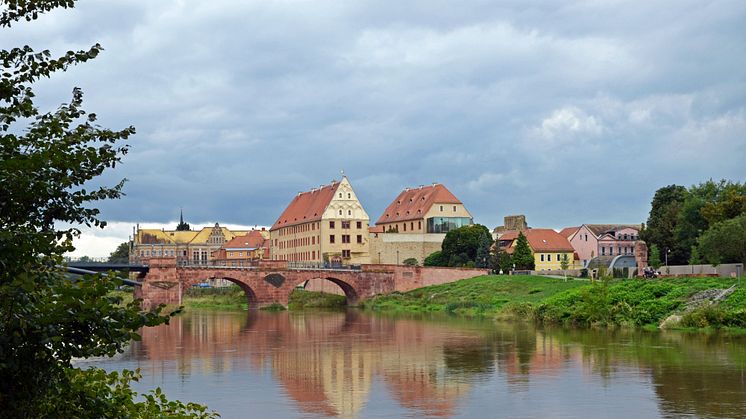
[272,282]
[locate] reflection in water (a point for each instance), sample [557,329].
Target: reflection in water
[355,364]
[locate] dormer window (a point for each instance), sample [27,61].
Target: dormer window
[340,194]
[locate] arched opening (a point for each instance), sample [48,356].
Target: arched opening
[323,292]
[220,291]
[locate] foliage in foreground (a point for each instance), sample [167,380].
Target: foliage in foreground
[46,319]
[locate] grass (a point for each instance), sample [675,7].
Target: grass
[632,303]
[482,295]
[227,298]
[302,299]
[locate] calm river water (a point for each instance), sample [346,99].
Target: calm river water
[355,364]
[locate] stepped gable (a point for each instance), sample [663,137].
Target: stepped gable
[414,203]
[568,231]
[601,229]
[307,206]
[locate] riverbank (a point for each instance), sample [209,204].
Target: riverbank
[629,303]
[233,298]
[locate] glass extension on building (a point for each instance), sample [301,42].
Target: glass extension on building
[446,224]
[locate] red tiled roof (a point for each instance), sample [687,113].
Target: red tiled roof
[375,229]
[307,206]
[413,203]
[547,240]
[568,231]
[253,239]
[541,240]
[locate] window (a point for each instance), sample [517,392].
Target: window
[359,225]
[345,238]
[349,196]
[419,225]
[446,224]
[405,226]
[331,238]
[454,208]
[345,224]
[346,253]
[558,257]
[441,208]
[340,194]
[542,257]
[340,212]
[359,238]
[603,250]
[349,212]
[230,254]
[411,225]
[331,224]
[313,239]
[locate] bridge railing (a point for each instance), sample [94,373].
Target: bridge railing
[323,266]
[242,264]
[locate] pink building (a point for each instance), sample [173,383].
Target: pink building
[606,240]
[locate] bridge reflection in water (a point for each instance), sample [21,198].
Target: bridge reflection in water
[354,364]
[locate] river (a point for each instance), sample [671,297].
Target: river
[357,364]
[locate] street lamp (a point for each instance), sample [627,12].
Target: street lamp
[667,252]
[397,257]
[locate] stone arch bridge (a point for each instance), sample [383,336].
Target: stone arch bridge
[272,282]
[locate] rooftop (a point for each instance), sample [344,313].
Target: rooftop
[414,203]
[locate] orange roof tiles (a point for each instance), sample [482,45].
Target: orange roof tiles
[413,203]
[547,240]
[568,231]
[375,229]
[253,239]
[541,240]
[307,206]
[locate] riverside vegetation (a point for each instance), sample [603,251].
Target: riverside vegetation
[233,298]
[628,303]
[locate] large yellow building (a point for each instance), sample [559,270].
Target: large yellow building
[194,246]
[325,224]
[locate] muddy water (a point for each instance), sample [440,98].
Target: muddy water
[354,364]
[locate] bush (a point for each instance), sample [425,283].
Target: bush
[436,259]
[411,262]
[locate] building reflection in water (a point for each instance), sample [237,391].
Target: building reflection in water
[327,363]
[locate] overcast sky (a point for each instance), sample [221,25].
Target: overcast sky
[569,112]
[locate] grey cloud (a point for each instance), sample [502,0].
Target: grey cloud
[569,112]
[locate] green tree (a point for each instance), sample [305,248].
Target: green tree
[46,162]
[654,259]
[694,258]
[410,262]
[121,253]
[663,220]
[505,261]
[435,259]
[523,258]
[564,262]
[483,250]
[460,245]
[724,242]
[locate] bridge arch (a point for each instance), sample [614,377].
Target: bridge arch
[249,292]
[349,291]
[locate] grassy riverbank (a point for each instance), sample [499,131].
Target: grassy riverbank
[633,303]
[233,298]
[483,295]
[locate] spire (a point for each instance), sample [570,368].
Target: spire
[182,225]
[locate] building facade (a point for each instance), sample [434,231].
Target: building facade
[426,209]
[604,240]
[415,223]
[189,246]
[244,250]
[324,225]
